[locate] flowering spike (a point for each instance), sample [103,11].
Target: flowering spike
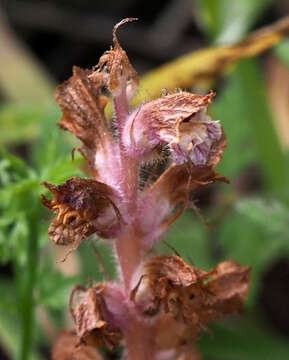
[153,293]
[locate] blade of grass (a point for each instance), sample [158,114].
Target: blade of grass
[257,112]
[226,21]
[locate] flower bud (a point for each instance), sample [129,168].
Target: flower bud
[178,121]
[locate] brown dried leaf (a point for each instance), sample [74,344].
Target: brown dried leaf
[117,66]
[83,108]
[67,347]
[91,317]
[80,205]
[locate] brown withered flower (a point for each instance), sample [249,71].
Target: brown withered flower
[83,207]
[188,298]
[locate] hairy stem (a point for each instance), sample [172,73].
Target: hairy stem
[128,247]
[129,253]
[139,342]
[129,165]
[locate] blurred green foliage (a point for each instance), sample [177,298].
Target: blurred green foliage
[252,230]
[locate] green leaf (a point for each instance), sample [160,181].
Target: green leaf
[15,165]
[229,109]
[89,263]
[227,21]
[243,339]
[54,287]
[10,333]
[189,237]
[282,50]
[259,211]
[257,113]
[20,121]
[255,233]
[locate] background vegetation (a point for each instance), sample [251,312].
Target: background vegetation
[39,42]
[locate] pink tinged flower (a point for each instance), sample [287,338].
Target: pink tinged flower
[177,121]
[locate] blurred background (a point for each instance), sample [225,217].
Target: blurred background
[40,41]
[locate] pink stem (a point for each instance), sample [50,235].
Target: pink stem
[139,342]
[129,253]
[129,250]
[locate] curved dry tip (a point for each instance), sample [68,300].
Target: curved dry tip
[114,32]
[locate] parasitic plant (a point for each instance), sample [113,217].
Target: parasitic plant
[159,304]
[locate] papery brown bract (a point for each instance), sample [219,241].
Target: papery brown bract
[83,108]
[84,207]
[67,347]
[120,74]
[92,319]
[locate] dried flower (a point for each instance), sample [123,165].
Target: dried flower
[94,322]
[84,207]
[188,298]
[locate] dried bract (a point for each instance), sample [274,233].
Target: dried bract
[92,319]
[84,207]
[83,108]
[174,187]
